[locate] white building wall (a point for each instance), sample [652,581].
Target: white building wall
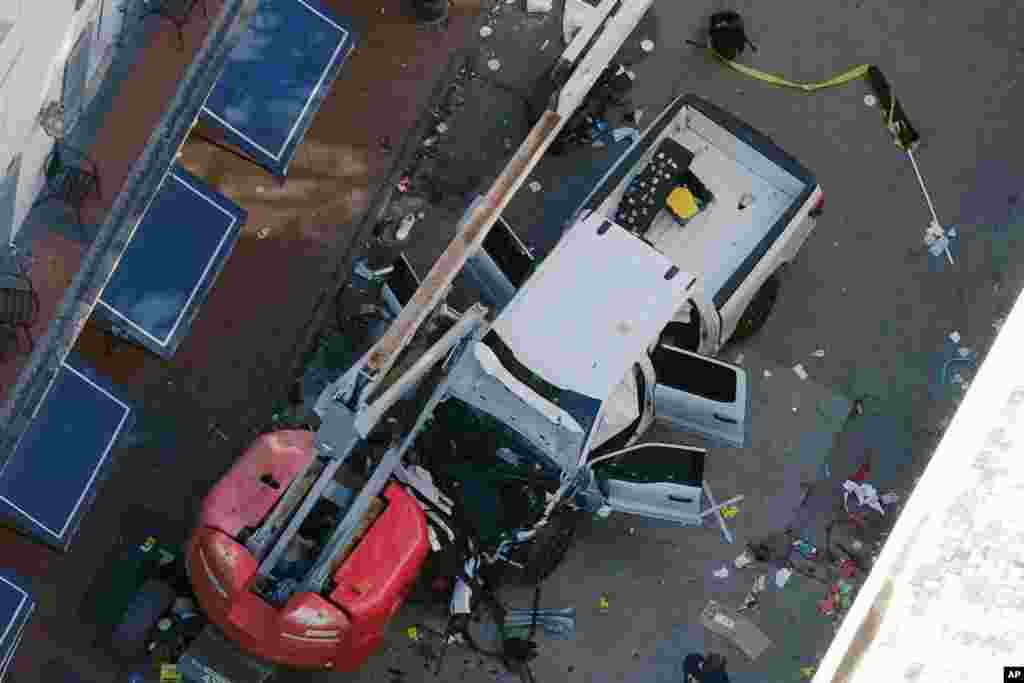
[39,36]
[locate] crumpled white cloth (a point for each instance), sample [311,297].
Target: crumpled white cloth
[866,495]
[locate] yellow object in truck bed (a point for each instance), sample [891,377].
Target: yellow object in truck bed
[682,203]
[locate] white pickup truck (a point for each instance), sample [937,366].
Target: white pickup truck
[528,416]
[716,197]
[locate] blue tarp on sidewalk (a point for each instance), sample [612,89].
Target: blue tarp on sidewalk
[172,261]
[49,480]
[276,78]
[16,606]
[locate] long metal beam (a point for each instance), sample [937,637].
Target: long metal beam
[600,52]
[344,535]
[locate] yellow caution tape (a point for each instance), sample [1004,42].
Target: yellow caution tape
[843,78]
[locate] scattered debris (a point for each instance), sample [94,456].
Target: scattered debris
[739,359]
[722,573]
[634,117]
[603,604]
[870,100]
[636,654]
[493,64]
[782,577]
[819,353]
[647,45]
[937,239]
[800,372]
[847,568]
[620,134]
[545,45]
[743,560]
[539,6]
[806,550]
[740,631]
[767,373]
[827,606]
[486,31]
[534,186]
[746,199]
[263,233]
[405,227]
[866,495]
[632,531]
[412,633]
[794,410]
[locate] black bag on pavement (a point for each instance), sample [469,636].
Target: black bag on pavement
[726,34]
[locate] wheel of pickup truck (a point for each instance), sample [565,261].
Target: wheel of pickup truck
[129,636]
[759,308]
[550,547]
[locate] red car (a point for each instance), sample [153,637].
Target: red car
[271,617]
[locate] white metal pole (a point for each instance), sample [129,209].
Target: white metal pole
[927,197]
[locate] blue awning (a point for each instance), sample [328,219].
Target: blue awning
[49,479]
[174,256]
[16,606]
[276,78]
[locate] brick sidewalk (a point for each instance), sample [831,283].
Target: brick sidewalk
[199,409]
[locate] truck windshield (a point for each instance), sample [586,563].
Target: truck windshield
[582,408]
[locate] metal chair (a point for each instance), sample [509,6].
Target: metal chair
[19,309]
[178,12]
[71,177]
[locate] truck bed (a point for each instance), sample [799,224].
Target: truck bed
[731,160]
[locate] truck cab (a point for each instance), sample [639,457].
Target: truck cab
[718,199]
[575,364]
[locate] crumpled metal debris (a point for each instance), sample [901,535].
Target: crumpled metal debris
[800,372]
[745,559]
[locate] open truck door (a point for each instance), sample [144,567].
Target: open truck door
[702,394]
[656,480]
